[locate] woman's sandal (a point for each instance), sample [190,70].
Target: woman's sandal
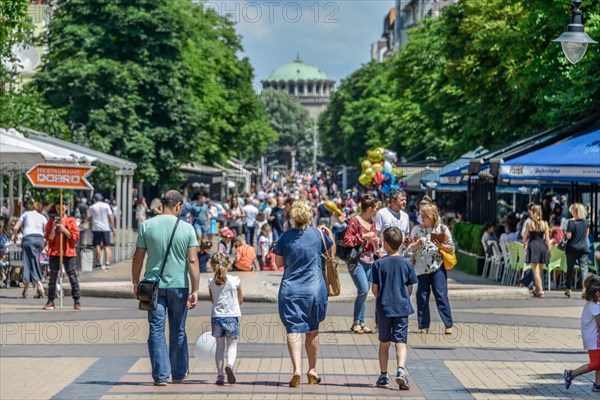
[356,328]
[295,382]
[366,330]
[313,379]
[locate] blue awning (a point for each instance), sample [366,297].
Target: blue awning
[573,160]
[434,180]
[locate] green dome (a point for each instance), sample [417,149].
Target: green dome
[297,71]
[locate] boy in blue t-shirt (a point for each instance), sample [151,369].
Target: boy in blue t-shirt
[393,277]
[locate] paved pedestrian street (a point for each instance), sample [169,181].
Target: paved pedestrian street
[509,349]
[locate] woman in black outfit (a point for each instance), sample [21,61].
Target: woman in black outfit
[578,231]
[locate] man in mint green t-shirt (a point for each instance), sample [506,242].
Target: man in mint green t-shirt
[174,295]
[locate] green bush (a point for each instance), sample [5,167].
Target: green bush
[467,237]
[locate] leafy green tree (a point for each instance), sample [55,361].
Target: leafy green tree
[484,73]
[158,81]
[292,123]
[14,29]
[356,116]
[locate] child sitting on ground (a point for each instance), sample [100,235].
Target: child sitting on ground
[590,332]
[225,293]
[393,277]
[204,255]
[245,256]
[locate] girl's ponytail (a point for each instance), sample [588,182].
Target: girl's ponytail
[220,263]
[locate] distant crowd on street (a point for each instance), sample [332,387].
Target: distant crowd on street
[46,234]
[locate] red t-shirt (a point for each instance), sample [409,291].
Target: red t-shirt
[68,244]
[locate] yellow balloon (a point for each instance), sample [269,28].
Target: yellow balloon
[397,172]
[375,155]
[331,206]
[369,172]
[365,164]
[378,167]
[364,180]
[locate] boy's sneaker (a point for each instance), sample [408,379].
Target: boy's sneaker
[402,380]
[383,381]
[49,306]
[220,380]
[230,374]
[595,388]
[160,383]
[77,305]
[107,266]
[568,375]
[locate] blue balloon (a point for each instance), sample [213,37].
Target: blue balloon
[394,179]
[386,188]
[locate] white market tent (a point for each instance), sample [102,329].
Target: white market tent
[18,153]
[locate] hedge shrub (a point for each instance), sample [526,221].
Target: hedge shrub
[467,237]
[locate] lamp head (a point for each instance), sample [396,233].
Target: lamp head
[574,41]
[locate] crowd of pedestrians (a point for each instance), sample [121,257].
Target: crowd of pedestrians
[36,237]
[542,229]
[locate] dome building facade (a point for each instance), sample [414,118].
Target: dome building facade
[307,83]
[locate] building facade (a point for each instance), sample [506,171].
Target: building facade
[309,84]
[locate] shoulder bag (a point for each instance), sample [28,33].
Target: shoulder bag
[330,271]
[449,258]
[148,288]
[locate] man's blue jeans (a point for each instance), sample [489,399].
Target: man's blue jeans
[175,361]
[363,279]
[250,235]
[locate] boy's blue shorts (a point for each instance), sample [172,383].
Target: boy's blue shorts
[393,329]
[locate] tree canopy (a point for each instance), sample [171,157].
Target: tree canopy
[157,81]
[483,73]
[292,123]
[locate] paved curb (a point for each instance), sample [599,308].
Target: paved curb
[268,294]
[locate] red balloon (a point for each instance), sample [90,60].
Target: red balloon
[379,178]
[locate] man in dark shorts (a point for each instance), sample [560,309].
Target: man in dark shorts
[102,224]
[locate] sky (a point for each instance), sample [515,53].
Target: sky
[334,35]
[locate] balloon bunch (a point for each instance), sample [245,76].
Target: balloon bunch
[379,169]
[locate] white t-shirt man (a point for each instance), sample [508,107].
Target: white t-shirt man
[225,298]
[589,330]
[34,223]
[386,218]
[250,213]
[98,213]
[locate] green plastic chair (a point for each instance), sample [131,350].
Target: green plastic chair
[596,264]
[521,266]
[558,260]
[513,272]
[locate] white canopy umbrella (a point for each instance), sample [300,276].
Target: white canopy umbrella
[50,152]
[19,155]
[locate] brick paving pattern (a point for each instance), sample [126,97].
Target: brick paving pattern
[501,349]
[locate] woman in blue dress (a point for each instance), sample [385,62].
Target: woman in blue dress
[302,293]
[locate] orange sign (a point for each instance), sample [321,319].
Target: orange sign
[52,176]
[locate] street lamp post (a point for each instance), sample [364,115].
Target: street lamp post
[574,41]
